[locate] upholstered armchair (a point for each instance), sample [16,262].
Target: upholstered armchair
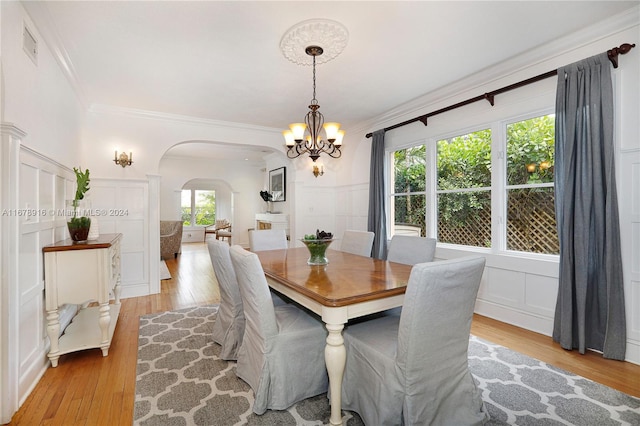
[170,238]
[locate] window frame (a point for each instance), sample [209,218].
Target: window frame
[194,209]
[498,187]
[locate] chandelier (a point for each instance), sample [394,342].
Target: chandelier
[314,136]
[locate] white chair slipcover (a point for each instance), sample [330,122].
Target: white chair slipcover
[267,239]
[412,369]
[282,352]
[411,250]
[228,329]
[357,242]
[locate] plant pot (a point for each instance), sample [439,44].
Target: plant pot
[317,249]
[78,220]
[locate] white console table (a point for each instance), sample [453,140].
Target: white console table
[272,221]
[81,273]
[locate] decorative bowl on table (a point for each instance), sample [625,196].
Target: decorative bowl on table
[317,245]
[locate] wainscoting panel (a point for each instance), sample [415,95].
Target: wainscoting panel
[504,286]
[352,208]
[42,187]
[629,206]
[124,208]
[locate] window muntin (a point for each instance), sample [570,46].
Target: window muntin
[464,189]
[530,159]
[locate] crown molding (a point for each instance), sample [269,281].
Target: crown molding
[509,69]
[12,130]
[176,118]
[39,13]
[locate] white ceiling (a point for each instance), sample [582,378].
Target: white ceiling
[221,60]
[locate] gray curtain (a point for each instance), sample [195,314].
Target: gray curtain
[377,221]
[590,309]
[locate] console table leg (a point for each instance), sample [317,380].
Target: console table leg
[53,331]
[104,320]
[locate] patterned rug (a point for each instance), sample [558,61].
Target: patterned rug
[182,381]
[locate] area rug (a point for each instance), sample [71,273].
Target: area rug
[182,381]
[164,271]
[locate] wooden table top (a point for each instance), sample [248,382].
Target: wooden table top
[347,279]
[103,241]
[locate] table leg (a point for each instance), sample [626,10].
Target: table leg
[335,356]
[104,321]
[53,330]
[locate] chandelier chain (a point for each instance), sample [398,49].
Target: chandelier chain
[314,101]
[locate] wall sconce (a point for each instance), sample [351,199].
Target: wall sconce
[123,160]
[318,171]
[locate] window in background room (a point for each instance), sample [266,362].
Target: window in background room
[464,189]
[205,207]
[198,207]
[408,198]
[531,221]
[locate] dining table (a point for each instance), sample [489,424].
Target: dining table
[349,286]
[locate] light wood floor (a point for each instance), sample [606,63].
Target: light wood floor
[88,389]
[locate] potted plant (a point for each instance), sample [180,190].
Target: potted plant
[317,244]
[267,197]
[79,222]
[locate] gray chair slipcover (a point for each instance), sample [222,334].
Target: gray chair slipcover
[282,352]
[357,242]
[411,250]
[228,329]
[229,326]
[413,369]
[268,239]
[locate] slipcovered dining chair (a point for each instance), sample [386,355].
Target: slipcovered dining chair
[229,326]
[267,239]
[282,352]
[413,367]
[357,242]
[228,329]
[411,250]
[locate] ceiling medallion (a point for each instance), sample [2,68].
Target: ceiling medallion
[331,35]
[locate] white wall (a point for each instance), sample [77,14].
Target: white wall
[37,97]
[516,289]
[38,150]
[239,182]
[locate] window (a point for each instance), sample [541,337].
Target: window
[531,220]
[408,200]
[464,189]
[198,207]
[459,201]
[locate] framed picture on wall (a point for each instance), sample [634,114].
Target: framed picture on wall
[278,184]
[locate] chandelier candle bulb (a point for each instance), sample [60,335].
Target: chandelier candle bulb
[288,138]
[331,129]
[298,131]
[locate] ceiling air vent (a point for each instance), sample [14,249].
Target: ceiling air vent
[30,44]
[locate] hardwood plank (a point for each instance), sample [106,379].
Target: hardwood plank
[87,388]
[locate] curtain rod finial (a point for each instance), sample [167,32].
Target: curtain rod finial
[613,53]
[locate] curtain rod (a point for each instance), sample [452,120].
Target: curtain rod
[612,54]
